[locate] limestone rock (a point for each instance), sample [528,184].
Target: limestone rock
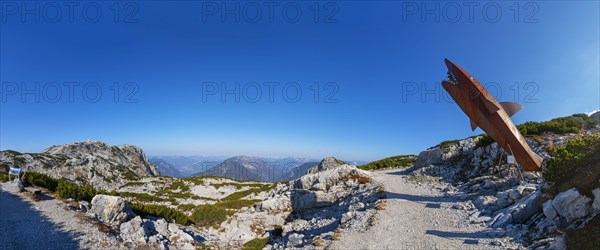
[326,164]
[596,204]
[111,209]
[571,205]
[549,210]
[134,231]
[91,162]
[518,212]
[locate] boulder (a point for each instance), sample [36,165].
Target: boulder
[275,204]
[161,226]
[549,210]
[134,230]
[111,209]
[428,157]
[596,204]
[323,180]
[518,212]
[571,205]
[181,237]
[440,154]
[485,201]
[326,164]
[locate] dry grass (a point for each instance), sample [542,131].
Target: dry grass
[318,242]
[34,197]
[371,222]
[99,225]
[380,205]
[175,239]
[337,235]
[257,228]
[103,228]
[361,179]
[74,203]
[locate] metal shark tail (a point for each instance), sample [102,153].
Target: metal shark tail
[491,116]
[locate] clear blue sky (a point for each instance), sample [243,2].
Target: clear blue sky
[174,52]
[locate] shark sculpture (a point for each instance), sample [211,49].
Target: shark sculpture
[490,115]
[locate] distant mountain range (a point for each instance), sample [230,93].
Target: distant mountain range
[238,167]
[185,165]
[259,169]
[165,168]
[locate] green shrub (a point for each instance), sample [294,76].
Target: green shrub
[12,152]
[172,195]
[445,145]
[42,180]
[3,176]
[586,237]
[67,189]
[268,187]
[160,211]
[573,156]
[256,244]
[235,204]
[128,174]
[241,194]
[179,185]
[484,141]
[589,122]
[186,207]
[209,215]
[390,162]
[561,125]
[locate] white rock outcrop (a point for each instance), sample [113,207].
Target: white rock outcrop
[596,203]
[111,210]
[88,162]
[335,195]
[155,231]
[571,205]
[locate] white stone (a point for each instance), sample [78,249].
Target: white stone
[549,211]
[111,209]
[571,205]
[596,204]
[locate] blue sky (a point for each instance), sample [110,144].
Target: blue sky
[162,66]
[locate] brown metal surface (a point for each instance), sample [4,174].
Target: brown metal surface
[492,117]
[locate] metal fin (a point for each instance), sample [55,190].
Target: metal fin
[511,108]
[473,125]
[491,106]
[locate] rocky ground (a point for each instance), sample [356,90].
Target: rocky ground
[420,214]
[48,224]
[52,223]
[305,213]
[310,211]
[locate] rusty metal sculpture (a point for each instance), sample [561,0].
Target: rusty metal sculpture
[492,117]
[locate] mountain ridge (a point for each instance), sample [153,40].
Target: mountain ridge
[86,162]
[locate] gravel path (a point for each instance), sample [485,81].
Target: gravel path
[47,224]
[420,216]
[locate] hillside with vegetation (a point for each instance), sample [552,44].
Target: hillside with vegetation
[399,161]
